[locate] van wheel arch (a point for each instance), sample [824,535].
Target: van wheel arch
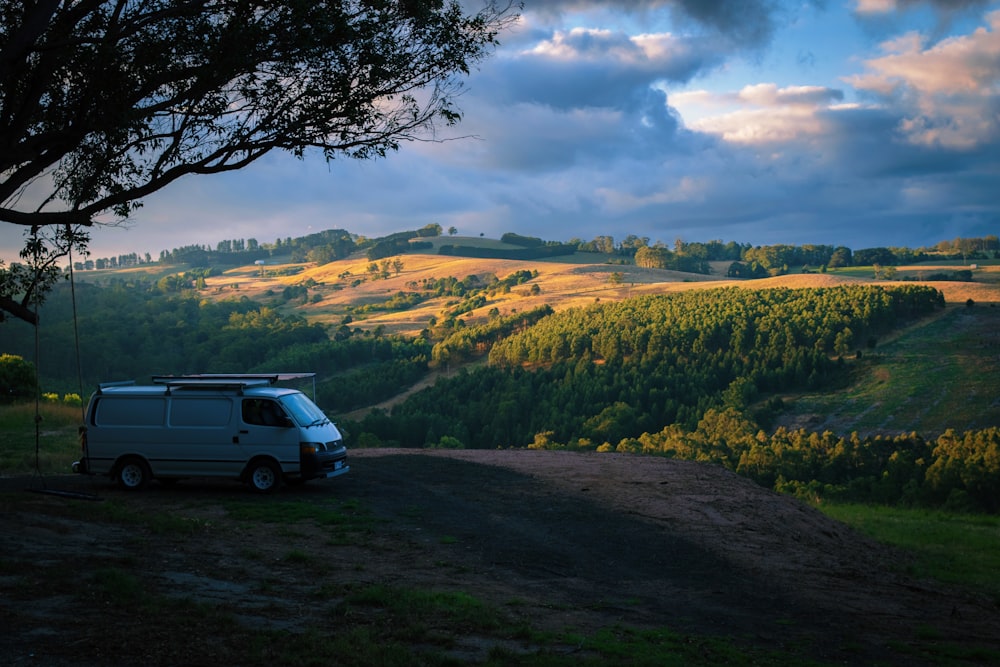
[263,474]
[132,473]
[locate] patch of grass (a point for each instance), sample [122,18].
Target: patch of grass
[342,524]
[962,549]
[27,579]
[406,601]
[298,557]
[123,512]
[399,616]
[623,645]
[866,272]
[290,532]
[328,590]
[348,514]
[54,445]
[413,512]
[118,586]
[347,646]
[114,510]
[252,554]
[411,614]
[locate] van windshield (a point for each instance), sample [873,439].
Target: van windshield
[303,411]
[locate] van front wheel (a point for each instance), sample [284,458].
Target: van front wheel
[133,474]
[263,476]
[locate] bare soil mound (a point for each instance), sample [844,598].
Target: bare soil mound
[580,541]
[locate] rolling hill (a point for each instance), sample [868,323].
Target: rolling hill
[909,391]
[575,280]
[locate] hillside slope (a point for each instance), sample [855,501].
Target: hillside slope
[562,543]
[577,280]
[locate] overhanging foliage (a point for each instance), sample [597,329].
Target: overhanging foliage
[104,102]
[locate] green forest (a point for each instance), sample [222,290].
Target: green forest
[132,330]
[696,374]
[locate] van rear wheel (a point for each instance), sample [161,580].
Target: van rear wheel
[263,476]
[133,474]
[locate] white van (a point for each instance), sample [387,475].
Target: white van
[236,426]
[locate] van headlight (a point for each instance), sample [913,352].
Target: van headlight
[311,447]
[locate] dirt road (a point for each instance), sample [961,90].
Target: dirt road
[578,541]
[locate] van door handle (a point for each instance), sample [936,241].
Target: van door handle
[244,432]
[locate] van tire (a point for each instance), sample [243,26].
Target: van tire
[133,473]
[263,475]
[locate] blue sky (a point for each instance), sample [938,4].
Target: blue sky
[859,122]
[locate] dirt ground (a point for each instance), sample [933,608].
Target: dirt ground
[580,541]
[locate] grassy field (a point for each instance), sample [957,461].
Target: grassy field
[48,449]
[955,548]
[984,272]
[938,374]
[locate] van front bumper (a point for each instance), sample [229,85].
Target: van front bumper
[339,468]
[323,465]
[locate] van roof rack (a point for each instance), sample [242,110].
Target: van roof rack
[107,385]
[119,383]
[186,383]
[236,380]
[229,379]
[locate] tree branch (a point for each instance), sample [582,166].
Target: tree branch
[17,310]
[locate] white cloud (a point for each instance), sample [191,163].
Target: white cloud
[881,7]
[588,67]
[686,189]
[759,126]
[760,113]
[810,97]
[875,6]
[949,92]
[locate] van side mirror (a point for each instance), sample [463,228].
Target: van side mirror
[285,422]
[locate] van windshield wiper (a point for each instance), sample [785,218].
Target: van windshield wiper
[319,421]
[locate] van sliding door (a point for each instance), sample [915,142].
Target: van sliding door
[201,440]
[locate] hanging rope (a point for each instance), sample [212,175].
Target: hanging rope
[38,398]
[79,376]
[76,338]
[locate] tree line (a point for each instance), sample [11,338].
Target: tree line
[748,261]
[956,470]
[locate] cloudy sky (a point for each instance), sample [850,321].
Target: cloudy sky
[855,122]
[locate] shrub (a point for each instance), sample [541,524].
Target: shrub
[17,378]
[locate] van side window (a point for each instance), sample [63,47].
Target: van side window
[130,411]
[262,412]
[200,412]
